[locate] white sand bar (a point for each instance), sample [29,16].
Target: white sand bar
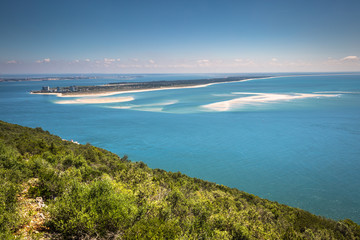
[95,100]
[259,98]
[152,106]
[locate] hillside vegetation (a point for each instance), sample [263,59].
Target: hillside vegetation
[56,189]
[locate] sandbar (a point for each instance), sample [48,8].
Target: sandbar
[95,100]
[259,98]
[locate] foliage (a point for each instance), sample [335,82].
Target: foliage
[92,193]
[98,208]
[9,181]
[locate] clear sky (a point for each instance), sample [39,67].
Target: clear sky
[168,36]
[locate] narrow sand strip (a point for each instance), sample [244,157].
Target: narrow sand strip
[95,100]
[337,92]
[160,104]
[56,94]
[140,108]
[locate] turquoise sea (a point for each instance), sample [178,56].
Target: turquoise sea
[292,139]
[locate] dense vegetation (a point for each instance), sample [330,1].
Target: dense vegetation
[94,194]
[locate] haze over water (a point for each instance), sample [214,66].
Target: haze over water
[293,139]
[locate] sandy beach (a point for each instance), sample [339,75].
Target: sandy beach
[100,94]
[56,94]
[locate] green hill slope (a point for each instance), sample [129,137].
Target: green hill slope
[51,188]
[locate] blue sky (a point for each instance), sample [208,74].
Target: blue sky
[153,36]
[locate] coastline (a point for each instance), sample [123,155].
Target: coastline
[170,111]
[56,94]
[110,93]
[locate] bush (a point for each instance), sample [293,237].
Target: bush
[8,212]
[98,208]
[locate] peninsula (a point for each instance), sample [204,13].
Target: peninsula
[138,86]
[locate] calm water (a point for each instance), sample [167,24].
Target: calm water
[295,140]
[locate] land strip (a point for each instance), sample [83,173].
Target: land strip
[137,86]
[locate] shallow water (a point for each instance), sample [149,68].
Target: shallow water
[295,140]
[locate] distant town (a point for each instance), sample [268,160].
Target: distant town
[130,86]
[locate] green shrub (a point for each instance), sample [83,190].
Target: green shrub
[154,228]
[8,207]
[98,208]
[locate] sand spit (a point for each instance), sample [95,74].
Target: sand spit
[100,94]
[110,93]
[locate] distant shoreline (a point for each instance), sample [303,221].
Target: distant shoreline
[126,87]
[40,79]
[109,93]
[55,78]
